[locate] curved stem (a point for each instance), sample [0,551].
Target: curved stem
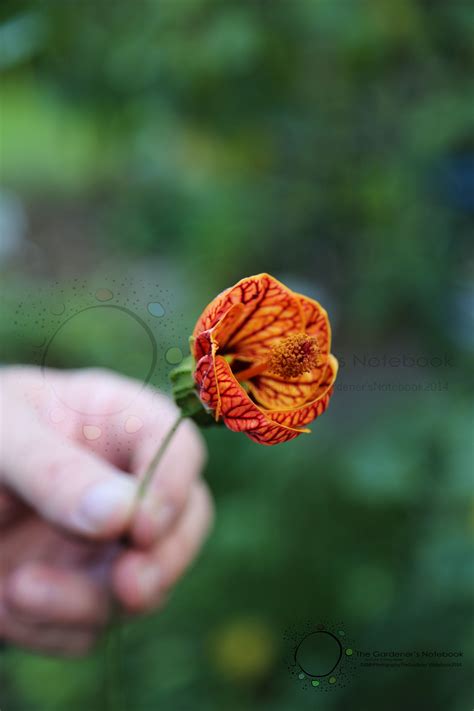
[114,695]
[148,476]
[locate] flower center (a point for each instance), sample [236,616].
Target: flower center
[289,358]
[294,355]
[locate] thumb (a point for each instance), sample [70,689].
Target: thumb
[66,484]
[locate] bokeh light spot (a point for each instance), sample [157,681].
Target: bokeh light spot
[156,309]
[174,355]
[103,295]
[91,432]
[243,650]
[133,424]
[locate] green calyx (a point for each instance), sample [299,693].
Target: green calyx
[185,395]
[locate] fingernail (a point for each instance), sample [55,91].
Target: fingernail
[103,503]
[148,582]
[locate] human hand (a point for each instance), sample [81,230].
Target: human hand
[70,441]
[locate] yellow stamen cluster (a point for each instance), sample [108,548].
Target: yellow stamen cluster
[294,355]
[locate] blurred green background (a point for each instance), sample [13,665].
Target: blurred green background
[163,150]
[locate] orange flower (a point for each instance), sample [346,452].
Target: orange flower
[263,361]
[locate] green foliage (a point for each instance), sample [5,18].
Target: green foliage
[327,142]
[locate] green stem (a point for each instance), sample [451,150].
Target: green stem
[114,696]
[148,476]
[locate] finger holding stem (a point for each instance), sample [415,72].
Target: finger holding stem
[148,514]
[113,651]
[153,466]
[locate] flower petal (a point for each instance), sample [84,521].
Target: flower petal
[241,414]
[242,292]
[218,334]
[271,312]
[316,323]
[307,413]
[276,393]
[206,383]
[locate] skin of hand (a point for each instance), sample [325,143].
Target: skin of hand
[73,445]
